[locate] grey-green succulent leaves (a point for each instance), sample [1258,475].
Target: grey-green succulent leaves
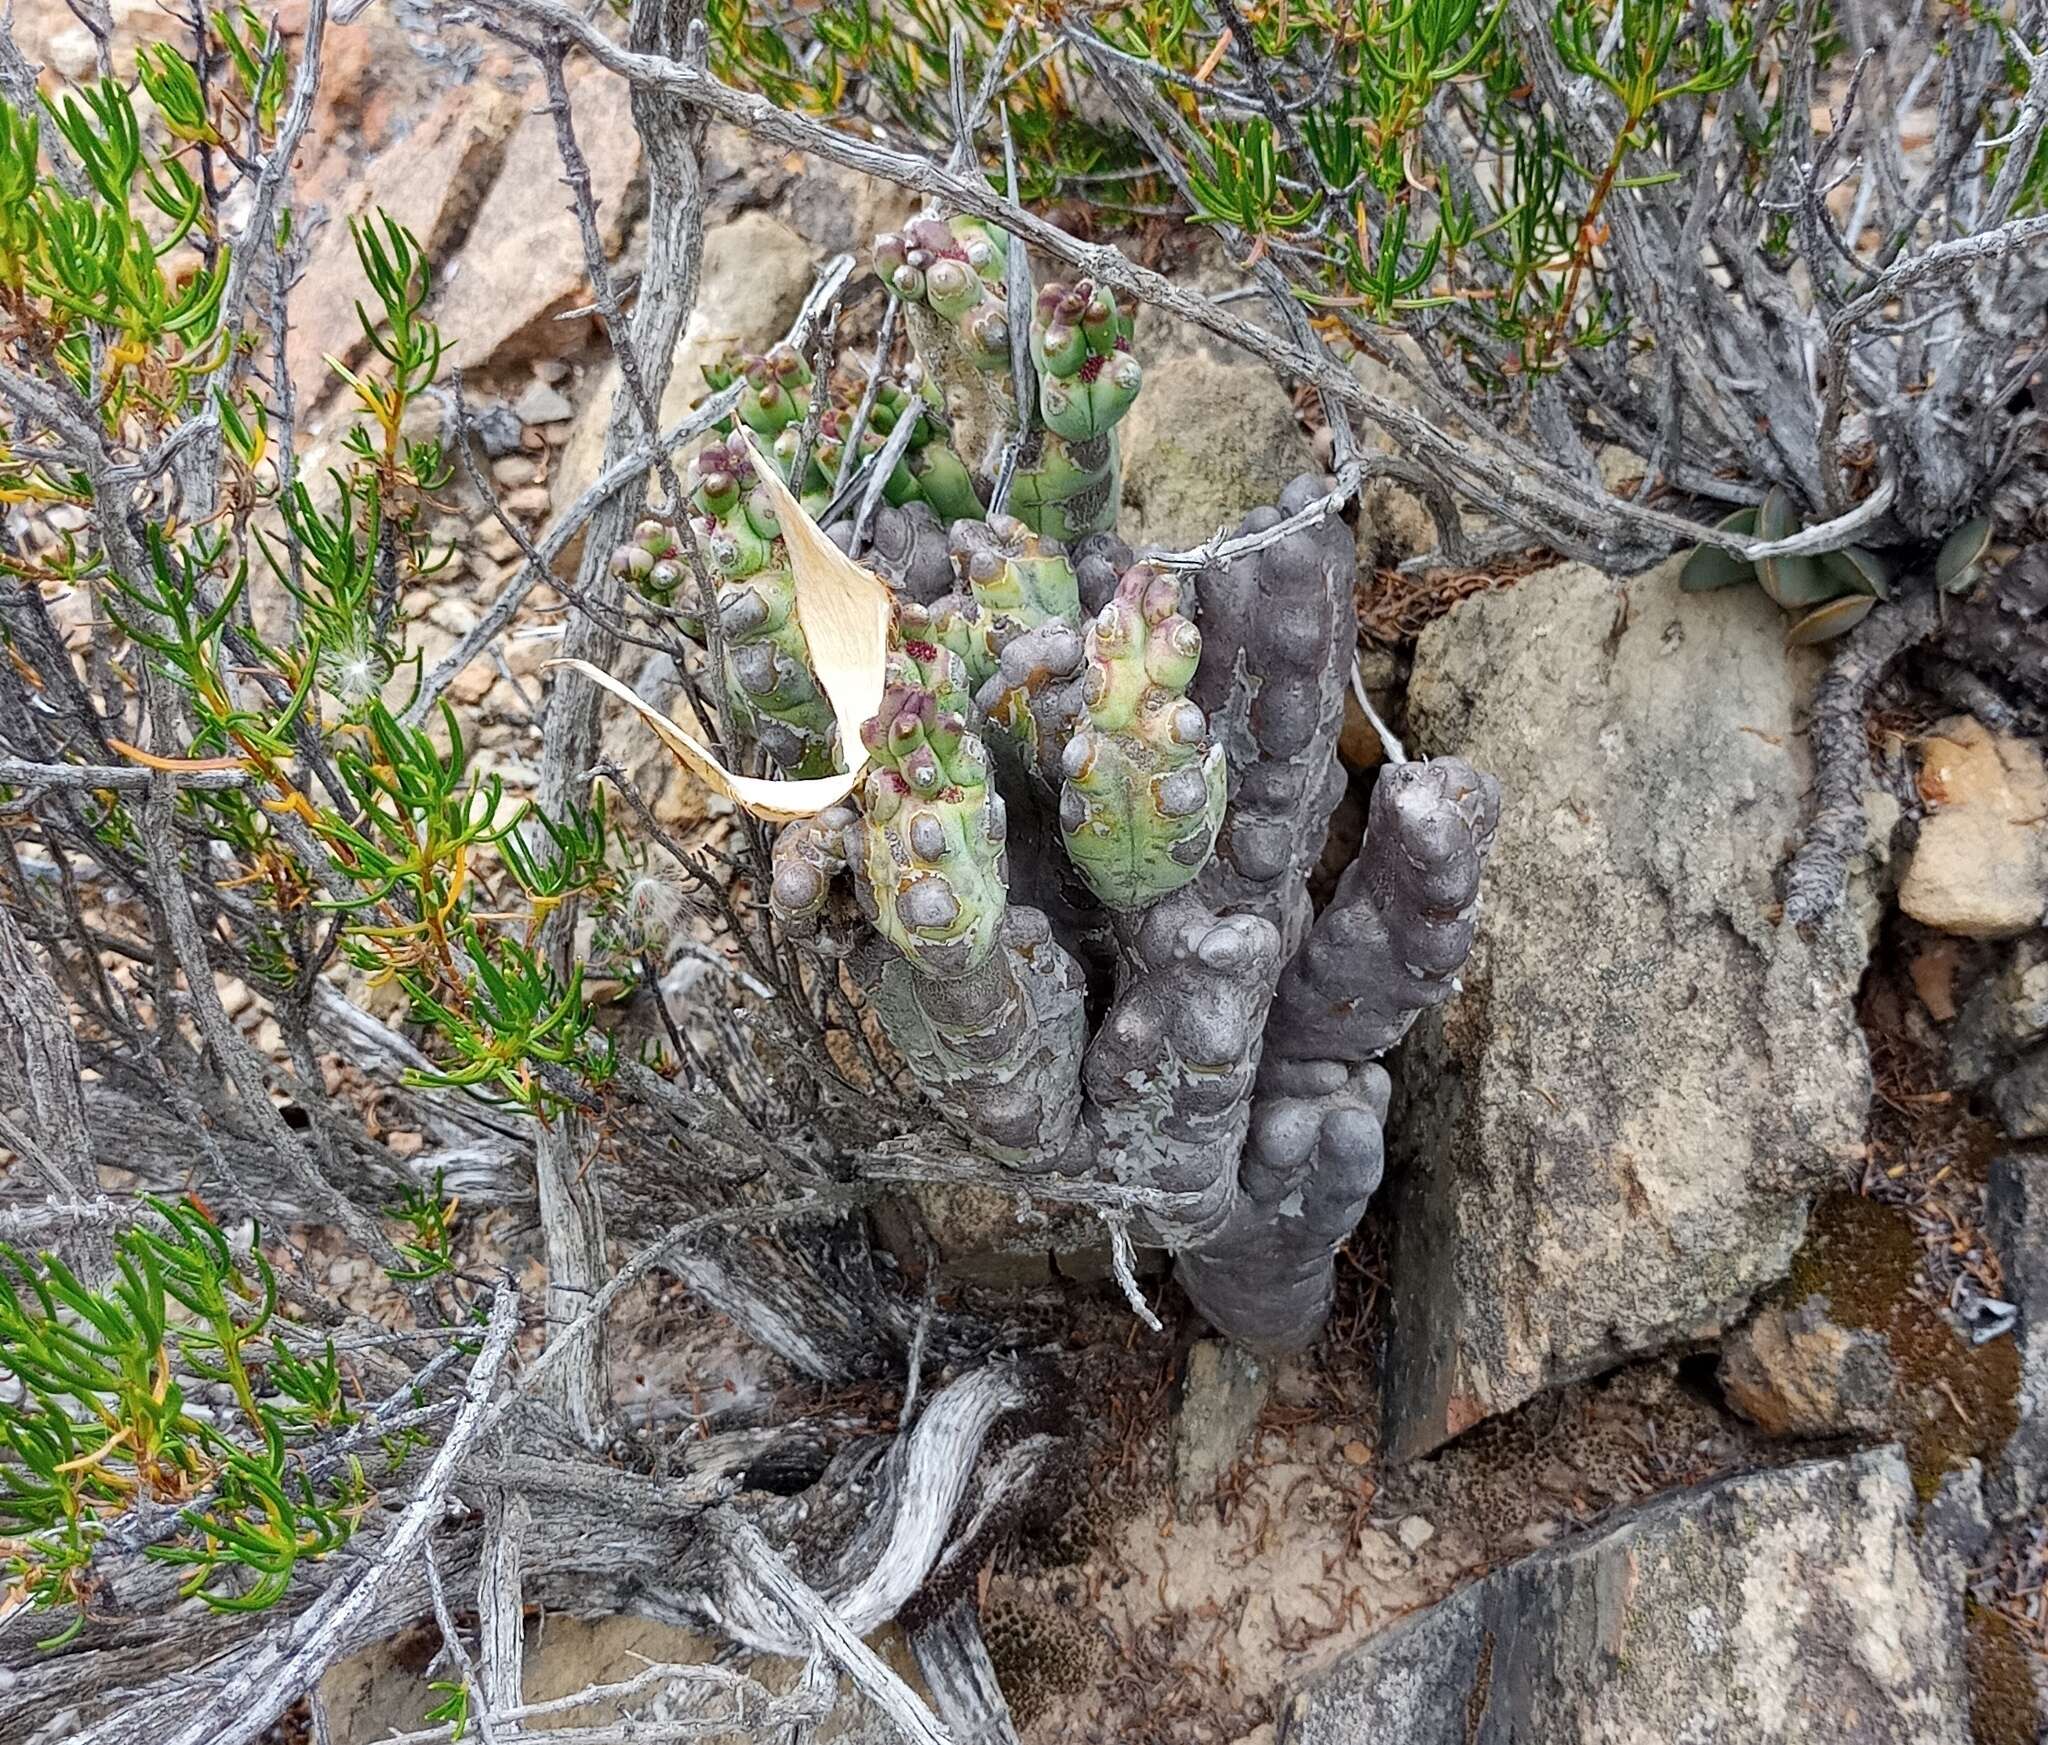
[1831,592]
[931,860]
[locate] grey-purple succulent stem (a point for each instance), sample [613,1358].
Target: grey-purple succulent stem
[1279,634]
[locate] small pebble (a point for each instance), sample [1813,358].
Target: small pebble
[543,404]
[1415,1532]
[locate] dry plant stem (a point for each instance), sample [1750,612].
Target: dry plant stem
[962,1679]
[823,350]
[716,1681]
[18,772]
[757,1560]
[500,1604]
[258,241]
[572,1217]
[39,1071]
[871,391]
[267,1678]
[565,1341]
[452,1644]
[1819,873]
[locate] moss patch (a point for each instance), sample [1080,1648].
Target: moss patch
[1956,1401]
[2001,1678]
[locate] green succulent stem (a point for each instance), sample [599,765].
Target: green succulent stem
[1144,789]
[931,865]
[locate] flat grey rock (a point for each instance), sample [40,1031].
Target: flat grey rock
[1608,1143]
[1779,1608]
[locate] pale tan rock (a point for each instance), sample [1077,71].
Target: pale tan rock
[73,54]
[529,502]
[432,185]
[1980,868]
[543,403]
[1212,436]
[472,684]
[523,262]
[494,542]
[1797,1372]
[755,273]
[514,470]
[1611,1148]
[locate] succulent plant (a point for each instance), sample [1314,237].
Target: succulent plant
[1018,579]
[1087,377]
[651,563]
[1831,592]
[768,662]
[1144,790]
[931,866]
[949,272]
[776,389]
[952,275]
[1094,786]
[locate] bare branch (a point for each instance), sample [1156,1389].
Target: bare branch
[809,1617]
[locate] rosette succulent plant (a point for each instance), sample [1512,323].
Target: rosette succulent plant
[1095,790]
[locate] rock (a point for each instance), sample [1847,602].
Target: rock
[756,272]
[1222,1395]
[2000,1039]
[494,541]
[1795,1372]
[73,54]
[457,617]
[514,470]
[677,797]
[1773,1609]
[1860,1280]
[1933,970]
[523,263]
[2020,1098]
[2016,1216]
[432,183]
[529,502]
[837,210]
[498,430]
[1981,866]
[1415,1532]
[1212,436]
[543,403]
[1608,1143]
[473,684]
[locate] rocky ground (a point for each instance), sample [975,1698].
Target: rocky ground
[1690,1376]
